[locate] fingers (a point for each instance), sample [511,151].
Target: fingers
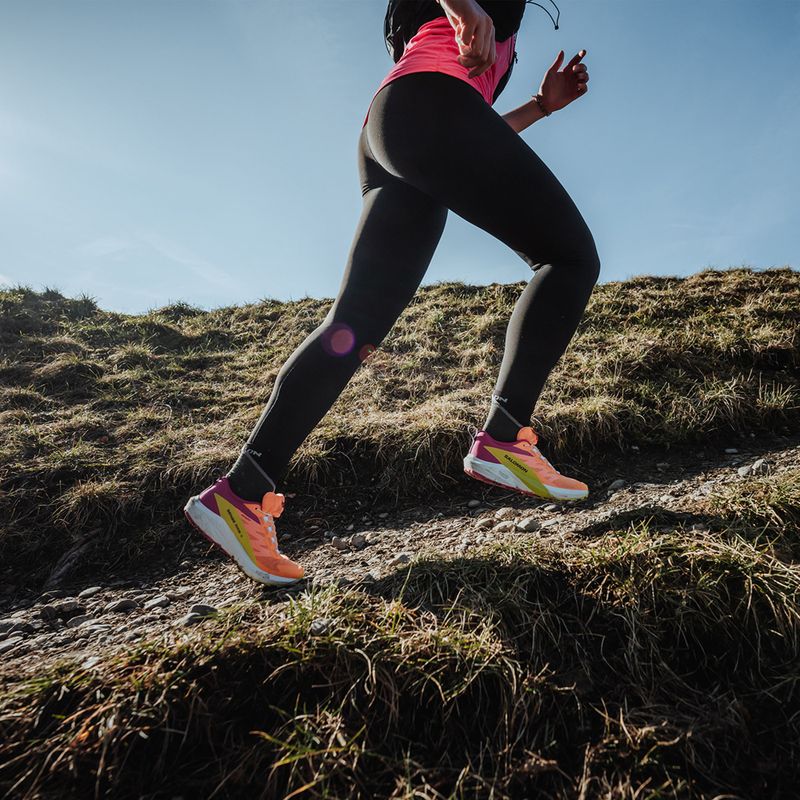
[574,60]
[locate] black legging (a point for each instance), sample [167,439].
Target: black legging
[432,143]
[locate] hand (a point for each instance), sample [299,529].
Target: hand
[559,89]
[474,34]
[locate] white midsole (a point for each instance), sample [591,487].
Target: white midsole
[218,531]
[502,474]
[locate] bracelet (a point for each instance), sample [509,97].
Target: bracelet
[538,99]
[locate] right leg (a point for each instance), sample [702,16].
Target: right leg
[481,169]
[392,248]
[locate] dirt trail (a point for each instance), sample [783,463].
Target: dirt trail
[86,623]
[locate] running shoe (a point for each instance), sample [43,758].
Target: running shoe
[520,466]
[245,531]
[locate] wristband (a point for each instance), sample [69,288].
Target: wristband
[538,99]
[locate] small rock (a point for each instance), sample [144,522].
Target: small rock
[79,619]
[9,644]
[328,535]
[761,467]
[90,591]
[160,601]
[191,619]
[203,609]
[370,577]
[7,624]
[20,627]
[505,526]
[53,594]
[383,515]
[548,523]
[359,541]
[68,608]
[699,527]
[745,470]
[731,450]
[634,447]
[662,465]
[119,606]
[90,662]
[473,503]
[339,543]
[350,526]
[505,513]
[400,558]
[528,524]
[617,484]
[484,522]
[319,626]
[551,507]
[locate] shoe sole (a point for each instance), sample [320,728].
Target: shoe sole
[497,475]
[216,530]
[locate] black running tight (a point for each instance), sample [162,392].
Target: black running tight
[432,143]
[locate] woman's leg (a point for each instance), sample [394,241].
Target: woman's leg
[438,134]
[392,248]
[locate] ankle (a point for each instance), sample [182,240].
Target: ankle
[248,479]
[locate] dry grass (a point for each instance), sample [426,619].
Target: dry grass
[645,663]
[111,421]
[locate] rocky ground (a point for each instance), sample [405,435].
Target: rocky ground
[85,624]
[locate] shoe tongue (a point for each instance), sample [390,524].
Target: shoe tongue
[272,503]
[527,434]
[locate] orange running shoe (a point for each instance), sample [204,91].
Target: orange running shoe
[245,531]
[520,466]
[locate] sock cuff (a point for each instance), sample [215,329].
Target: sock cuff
[250,453]
[496,400]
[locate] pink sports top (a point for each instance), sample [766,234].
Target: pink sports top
[433,48]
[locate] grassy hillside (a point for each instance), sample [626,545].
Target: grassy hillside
[643,658]
[111,421]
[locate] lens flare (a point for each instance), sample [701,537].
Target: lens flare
[338,339]
[366,351]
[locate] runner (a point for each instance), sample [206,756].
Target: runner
[431,141]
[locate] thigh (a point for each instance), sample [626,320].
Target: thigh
[396,236]
[438,134]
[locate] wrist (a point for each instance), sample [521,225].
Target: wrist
[537,98]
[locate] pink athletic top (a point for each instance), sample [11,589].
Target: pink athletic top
[433,48]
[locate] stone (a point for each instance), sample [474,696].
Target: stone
[484,522]
[339,543]
[528,524]
[160,601]
[761,467]
[383,515]
[9,644]
[548,523]
[745,470]
[203,609]
[191,619]
[400,558]
[505,513]
[617,484]
[20,627]
[120,606]
[359,541]
[68,608]
[79,619]
[550,507]
[731,450]
[634,447]
[90,591]
[473,503]
[319,626]
[505,526]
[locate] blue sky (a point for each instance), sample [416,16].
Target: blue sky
[153,151]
